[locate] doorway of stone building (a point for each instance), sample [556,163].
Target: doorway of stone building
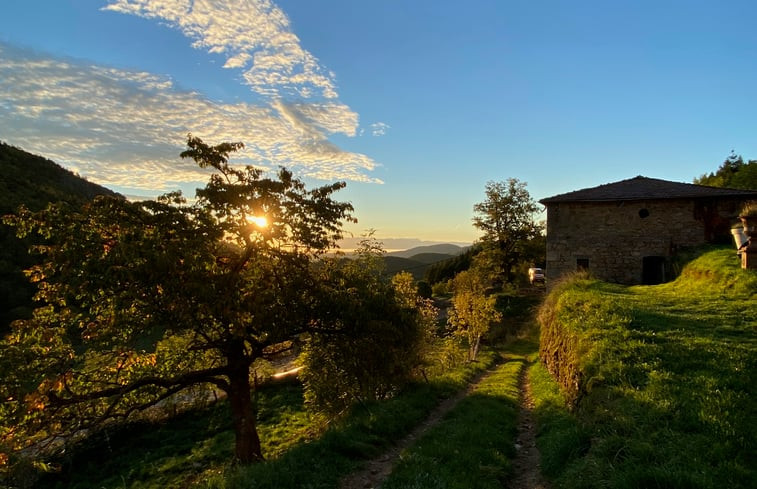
[653,270]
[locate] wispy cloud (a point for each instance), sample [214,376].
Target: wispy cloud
[126,128]
[379,128]
[254,35]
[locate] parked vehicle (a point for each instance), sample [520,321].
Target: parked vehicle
[535,275]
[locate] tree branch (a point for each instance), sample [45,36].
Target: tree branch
[191,378]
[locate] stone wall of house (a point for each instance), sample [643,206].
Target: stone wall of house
[613,238]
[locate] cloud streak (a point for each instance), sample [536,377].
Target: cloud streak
[127,128]
[253,35]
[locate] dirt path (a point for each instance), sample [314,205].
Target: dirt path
[526,464]
[377,470]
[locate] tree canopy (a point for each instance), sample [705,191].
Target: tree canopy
[733,173]
[372,336]
[506,219]
[146,299]
[473,312]
[33,181]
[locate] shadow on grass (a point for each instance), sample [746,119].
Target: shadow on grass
[473,446]
[163,454]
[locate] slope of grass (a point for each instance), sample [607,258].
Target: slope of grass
[365,433]
[189,447]
[194,449]
[661,378]
[474,445]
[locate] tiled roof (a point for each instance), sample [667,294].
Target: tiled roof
[643,188]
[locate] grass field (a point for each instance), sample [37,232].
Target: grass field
[194,449]
[666,381]
[474,445]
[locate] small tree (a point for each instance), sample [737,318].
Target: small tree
[146,299]
[506,218]
[473,312]
[371,336]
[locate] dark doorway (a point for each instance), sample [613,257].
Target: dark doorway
[653,271]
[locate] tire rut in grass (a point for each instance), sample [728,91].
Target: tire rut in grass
[527,474]
[375,471]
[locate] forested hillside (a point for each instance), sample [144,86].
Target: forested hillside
[32,181]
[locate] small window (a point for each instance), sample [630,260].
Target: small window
[582,264]
[643,213]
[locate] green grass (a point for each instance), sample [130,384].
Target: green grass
[189,447]
[365,433]
[663,381]
[194,449]
[473,446]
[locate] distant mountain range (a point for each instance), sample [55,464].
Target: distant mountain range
[400,244]
[436,249]
[418,260]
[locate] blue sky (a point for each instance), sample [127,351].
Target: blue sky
[415,104]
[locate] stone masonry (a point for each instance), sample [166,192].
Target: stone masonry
[613,238]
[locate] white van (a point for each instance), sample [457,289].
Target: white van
[535,275]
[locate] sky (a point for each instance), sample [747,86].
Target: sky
[415,104]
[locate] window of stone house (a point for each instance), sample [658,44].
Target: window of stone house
[643,213]
[582,264]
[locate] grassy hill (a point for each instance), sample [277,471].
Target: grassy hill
[33,181]
[661,380]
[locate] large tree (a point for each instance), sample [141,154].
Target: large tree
[506,218]
[147,299]
[733,173]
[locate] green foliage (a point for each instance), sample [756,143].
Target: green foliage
[424,289]
[144,300]
[560,438]
[733,173]
[371,337]
[190,447]
[445,270]
[660,379]
[506,218]
[31,181]
[473,312]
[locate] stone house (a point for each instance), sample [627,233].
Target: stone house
[626,232]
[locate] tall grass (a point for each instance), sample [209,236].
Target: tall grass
[661,379]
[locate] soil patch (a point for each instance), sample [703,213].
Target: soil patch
[526,464]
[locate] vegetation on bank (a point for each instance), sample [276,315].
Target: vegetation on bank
[660,378]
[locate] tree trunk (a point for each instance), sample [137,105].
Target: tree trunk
[473,350]
[247,446]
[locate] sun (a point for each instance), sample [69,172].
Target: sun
[259,221]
